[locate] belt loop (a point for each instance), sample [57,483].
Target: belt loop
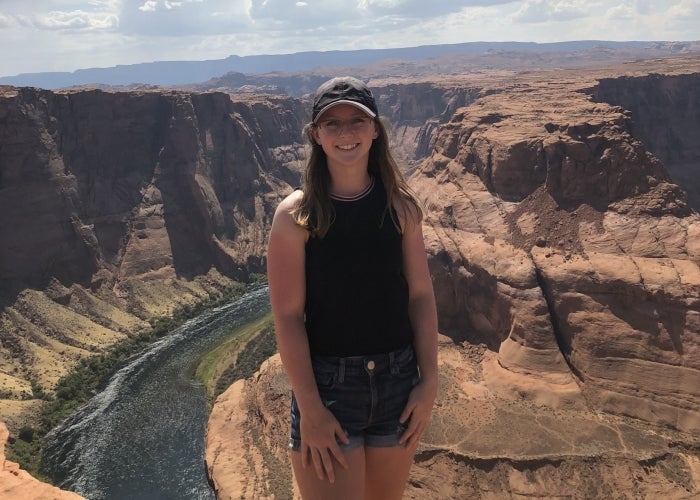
[393,364]
[341,371]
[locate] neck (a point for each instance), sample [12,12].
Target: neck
[348,186]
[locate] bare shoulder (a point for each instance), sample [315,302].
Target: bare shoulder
[283,213]
[289,202]
[410,217]
[283,220]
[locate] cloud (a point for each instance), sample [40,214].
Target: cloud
[621,12]
[162,18]
[683,19]
[336,17]
[156,5]
[60,15]
[47,35]
[539,11]
[5,21]
[76,20]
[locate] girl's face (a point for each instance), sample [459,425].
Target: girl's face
[345,133]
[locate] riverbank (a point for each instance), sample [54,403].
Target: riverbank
[142,437]
[238,357]
[90,375]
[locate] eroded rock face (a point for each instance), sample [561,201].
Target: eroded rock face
[665,118]
[559,240]
[566,266]
[136,182]
[120,206]
[564,256]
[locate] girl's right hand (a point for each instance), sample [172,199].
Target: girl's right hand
[320,433]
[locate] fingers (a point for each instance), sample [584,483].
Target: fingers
[322,446]
[323,465]
[322,458]
[406,413]
[338,454]
[412,434]
[305,455]
[417,413]
[323,462]
[335,449]
[417,422]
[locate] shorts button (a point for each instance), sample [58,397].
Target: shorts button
[370,365]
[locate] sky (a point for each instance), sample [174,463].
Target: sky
[65,35]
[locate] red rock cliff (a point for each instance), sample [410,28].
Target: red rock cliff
[559,240]
[118,207]
[133,182]
[566,264]
[565,258]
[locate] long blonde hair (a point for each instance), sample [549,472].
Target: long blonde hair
[315,211]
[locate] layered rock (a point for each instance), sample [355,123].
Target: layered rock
[559,240]
[564,255]
[665,118]
[118,207]
[566,265]
[132,183]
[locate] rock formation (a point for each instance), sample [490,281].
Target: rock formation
[18,484]
[566,263]
[559,240]
[119,206]
[562,233]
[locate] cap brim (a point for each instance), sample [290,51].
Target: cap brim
[359,106]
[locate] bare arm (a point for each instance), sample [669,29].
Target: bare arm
[423,315]
[286,277]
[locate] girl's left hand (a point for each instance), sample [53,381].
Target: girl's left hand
[417,412]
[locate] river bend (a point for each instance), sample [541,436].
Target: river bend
[142,437]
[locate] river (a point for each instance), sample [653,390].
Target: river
[142,437]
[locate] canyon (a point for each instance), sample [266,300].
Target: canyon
[563,239]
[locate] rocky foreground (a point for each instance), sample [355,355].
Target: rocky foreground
[566,265]
[16,483]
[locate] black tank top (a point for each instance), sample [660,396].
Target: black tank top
[356,291]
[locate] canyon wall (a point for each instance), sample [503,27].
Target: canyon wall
[118,207]
[664,112]
[89,177]
[560,241]
[565,258]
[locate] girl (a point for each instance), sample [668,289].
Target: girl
[353,305]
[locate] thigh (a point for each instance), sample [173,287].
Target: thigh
[348,485]
[387,471]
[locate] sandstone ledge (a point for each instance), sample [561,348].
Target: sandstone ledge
[483,441]
[16,483]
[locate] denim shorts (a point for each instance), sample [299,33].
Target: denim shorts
[366,394]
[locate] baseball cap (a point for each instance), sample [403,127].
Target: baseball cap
[343,90]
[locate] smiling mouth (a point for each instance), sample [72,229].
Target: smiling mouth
[348,147]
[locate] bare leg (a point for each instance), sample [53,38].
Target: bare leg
[387,472]
[348,485]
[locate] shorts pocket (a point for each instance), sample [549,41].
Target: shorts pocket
[326,375]
[406,373]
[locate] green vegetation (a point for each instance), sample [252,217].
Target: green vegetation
[248,362]
[239,356]
[92,374]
